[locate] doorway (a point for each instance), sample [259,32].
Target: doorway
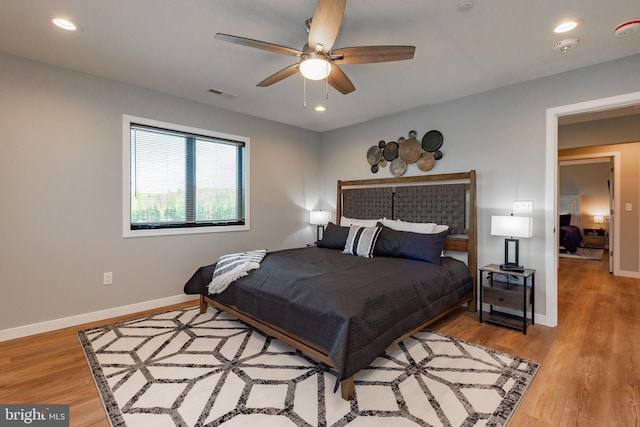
[551,191]
[591,179]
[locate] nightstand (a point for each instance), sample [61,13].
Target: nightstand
[593,238]
[501,288]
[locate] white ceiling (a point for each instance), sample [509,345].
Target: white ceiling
[168,46]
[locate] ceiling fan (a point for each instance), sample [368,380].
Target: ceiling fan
[317,60]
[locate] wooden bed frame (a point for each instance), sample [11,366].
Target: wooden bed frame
[458,243]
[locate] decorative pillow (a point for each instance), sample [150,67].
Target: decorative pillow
[361,240]
[565,219]
[334,237]
[347,222]
[405,244]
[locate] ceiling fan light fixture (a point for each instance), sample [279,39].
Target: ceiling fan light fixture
[315,66]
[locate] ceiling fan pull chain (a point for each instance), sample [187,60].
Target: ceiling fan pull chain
[304,93]
[326,88]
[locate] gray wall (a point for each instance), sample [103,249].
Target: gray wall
[501,134]
[61,201]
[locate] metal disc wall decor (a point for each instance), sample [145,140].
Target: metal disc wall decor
[390,151]
[410,150]
[406,151]
[373,155]
[426,161]
[432,141]
[397,167]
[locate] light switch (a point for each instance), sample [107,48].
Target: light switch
[628,207]
[523,206]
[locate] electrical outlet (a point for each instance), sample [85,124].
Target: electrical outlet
[107,278]
[523,206]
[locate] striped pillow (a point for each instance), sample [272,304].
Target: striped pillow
[361,240]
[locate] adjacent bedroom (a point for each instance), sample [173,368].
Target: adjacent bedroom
[584,218]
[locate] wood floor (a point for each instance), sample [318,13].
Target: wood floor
[589,374]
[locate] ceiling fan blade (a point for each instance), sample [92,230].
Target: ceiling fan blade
[339,80]
[325,23]
[258,44]
[280,75]
[371,54]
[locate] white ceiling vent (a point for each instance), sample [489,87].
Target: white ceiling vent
[222,94]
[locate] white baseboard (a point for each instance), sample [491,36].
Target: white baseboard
[634,274]
[65,322]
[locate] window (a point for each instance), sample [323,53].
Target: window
[182,180]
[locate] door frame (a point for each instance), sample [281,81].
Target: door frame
[551,189]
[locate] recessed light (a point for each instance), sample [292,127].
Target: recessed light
[565,26]
[66,24]
[320,108]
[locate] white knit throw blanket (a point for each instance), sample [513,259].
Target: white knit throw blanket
[234,266]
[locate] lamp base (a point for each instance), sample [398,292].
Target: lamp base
[512,267]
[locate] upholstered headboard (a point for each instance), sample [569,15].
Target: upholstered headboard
[412,199]
[448,199]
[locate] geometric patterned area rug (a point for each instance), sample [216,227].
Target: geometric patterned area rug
[585,253]
[180,368]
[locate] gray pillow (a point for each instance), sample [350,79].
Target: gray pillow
[406,244]
[334,237]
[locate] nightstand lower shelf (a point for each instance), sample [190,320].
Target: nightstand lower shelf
[504,319]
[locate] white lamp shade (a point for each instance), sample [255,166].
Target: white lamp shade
[319,217]
[598,219]
[511,226]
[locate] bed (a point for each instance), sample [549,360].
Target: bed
[570,235]
[570,222]
[346,309]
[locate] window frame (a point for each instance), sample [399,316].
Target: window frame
[127,121]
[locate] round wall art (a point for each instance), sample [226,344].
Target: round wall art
[399,154]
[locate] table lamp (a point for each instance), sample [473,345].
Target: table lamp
[319,219]
[510,227]
[598,219]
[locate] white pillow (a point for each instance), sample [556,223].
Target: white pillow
[361,240]
[440,228]
[346,222]
[414,227]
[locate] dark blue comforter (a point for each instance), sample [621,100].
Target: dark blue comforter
[570,238]
[353,307]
